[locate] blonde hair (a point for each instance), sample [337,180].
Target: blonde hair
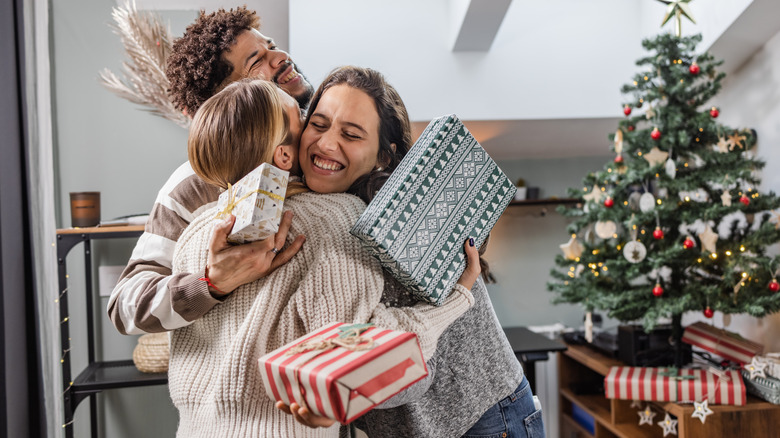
[236,130]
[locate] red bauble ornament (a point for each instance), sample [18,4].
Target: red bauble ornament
[714,112]
[627,110]
[694,69]
[630,128]
[609,202]
[708,312]
[774,286]
[688,243]
[656,134]
[619,159]
[745,200]
[658,290]
[658,234]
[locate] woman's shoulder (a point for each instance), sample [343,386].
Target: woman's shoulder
[326,210]
[314,200]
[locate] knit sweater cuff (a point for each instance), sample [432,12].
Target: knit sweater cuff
[190,295]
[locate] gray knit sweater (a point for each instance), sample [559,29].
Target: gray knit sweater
[473,368]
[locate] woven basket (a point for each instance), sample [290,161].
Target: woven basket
[152,353]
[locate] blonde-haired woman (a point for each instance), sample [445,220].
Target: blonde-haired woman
[213,378]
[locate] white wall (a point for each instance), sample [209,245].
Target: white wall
[534,69]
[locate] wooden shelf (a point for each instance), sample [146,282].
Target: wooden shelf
[581,368]
[101,230]
[548,201]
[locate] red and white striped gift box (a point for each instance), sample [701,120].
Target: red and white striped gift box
[725,389]
[339,383]
[639,383]
[721,342]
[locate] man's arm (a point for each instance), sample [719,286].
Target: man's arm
[148,298]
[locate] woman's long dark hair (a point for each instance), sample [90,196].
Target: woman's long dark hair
[395,131]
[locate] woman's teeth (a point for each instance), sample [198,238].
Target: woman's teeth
[326,164]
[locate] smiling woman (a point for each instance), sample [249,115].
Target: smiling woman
[341,141]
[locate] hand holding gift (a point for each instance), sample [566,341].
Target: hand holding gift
[341,371]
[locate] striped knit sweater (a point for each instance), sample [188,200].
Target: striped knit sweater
[147,297]
[213,375]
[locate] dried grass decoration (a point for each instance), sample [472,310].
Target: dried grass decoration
[152,353]
[147,44]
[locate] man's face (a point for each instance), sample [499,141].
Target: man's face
[255,55]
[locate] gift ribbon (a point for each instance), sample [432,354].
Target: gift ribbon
[232,202]
[349,338]
[672,373]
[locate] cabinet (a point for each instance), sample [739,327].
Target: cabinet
[98,375]
[581,372]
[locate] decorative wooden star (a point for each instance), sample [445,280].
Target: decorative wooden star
[757,367]
[669,425]
[650,113]
[708,239]
[736,140]
[635,404]
[701,411]
[646,416]
[723,145]
[725,198]
[676,9]
[656,156]
[571,249]
[596,195]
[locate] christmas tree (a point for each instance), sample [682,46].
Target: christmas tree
[675,222]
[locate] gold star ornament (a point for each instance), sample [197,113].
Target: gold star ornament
[676,9]
[596,195]
[723,145]
[708,239]
[655,156]
[572,249]
[736,140]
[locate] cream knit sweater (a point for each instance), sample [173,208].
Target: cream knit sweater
[213,375]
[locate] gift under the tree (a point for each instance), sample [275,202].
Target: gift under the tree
[669,384]
[764,387]
[341,371]
[444,191]
[721,342]
[256,201]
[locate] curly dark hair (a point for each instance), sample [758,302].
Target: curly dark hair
[195,68]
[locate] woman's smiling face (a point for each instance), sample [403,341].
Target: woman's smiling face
[341,142]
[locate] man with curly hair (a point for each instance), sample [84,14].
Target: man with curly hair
[223,47]
[217,49]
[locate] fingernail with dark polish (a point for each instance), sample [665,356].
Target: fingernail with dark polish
[471,241]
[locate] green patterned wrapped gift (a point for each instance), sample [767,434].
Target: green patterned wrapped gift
[445,190]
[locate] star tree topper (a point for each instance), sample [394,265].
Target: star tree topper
[676,9]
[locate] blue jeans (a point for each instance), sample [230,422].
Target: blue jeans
[513,417]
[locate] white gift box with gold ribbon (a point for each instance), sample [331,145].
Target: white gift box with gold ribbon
[256,200]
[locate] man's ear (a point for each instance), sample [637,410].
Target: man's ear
[284,157]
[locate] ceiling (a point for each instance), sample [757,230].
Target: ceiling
[733,30]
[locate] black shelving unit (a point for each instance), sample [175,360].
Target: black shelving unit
[98,375]
[547,201]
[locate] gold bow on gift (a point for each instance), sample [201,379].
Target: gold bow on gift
[232,202]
